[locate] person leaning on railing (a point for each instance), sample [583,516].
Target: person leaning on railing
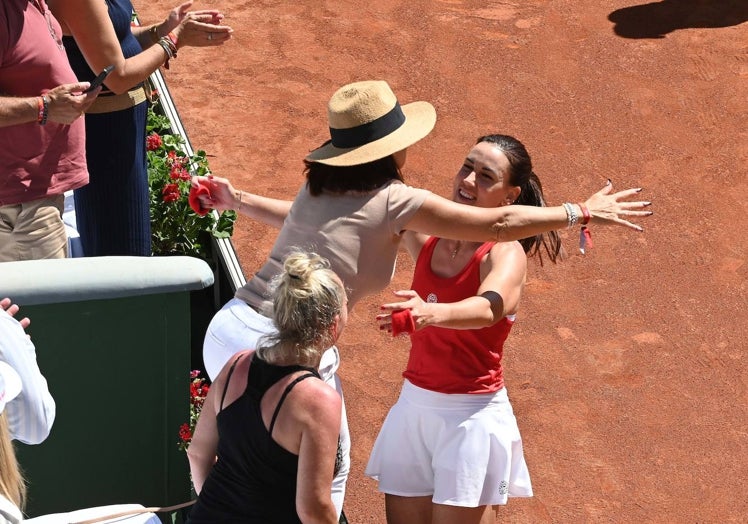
[112,211]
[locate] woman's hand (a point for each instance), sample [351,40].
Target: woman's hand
[175,17]
[222,196]
[197,28]
[606,207]
[412,302]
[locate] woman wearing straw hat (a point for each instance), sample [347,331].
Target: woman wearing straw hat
[353,210]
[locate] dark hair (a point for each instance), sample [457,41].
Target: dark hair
[361,177]
[522,175]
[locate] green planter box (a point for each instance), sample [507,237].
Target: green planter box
[113,340]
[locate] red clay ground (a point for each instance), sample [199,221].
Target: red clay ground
[627,367]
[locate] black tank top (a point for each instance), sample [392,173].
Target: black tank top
[254,478]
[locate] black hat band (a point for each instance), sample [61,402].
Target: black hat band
[369,132]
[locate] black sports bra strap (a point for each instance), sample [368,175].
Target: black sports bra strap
[283,397]
[226,385]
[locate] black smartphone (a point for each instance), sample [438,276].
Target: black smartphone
[99,79]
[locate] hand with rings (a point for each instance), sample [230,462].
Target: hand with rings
[197,28]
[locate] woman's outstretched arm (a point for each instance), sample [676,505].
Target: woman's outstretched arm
[223,196]
[446,219]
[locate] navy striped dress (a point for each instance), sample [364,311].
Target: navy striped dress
[112,211]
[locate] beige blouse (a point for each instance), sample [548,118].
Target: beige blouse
[359,233]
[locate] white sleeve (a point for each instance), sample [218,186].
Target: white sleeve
[32,413]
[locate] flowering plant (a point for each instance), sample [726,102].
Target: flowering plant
[175,227]
[198,392]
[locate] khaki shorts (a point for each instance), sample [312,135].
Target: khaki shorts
[33,230]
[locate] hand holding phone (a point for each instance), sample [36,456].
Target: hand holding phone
[99,79]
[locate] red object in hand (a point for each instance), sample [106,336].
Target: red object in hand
[201,189]
[402,322]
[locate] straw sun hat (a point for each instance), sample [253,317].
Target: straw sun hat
[367,123]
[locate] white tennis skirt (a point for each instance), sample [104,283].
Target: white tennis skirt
[463,450]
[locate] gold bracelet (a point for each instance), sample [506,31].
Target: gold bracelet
[153,32]
[239,192]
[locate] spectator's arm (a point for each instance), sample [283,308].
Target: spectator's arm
[32,413]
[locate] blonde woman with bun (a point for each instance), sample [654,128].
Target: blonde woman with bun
[266,447]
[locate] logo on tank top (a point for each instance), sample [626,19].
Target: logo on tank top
[431,298]
[503,487]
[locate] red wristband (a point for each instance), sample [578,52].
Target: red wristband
[402,322]
[173,39]
[40,107]
[585,214]
[43,107]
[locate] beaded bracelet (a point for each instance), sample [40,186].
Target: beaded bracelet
[571,214]
[169,48]
[585,214]
[43,107]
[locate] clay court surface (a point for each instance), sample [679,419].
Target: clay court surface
[627,367]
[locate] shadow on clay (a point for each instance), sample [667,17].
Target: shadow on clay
[657,19]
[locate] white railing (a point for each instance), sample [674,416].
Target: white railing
[224,248]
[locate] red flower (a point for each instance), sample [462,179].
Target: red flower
[185,433]
[178,172]
[198,392]
[153,142]
[170,192]
[194,391]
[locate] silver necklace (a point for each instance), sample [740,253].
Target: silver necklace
[456,249]
[46,15]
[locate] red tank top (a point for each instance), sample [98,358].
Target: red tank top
[455,360]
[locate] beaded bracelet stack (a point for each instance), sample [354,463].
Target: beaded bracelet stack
[42,103]
[572,216]
[585,237]
[169,45]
